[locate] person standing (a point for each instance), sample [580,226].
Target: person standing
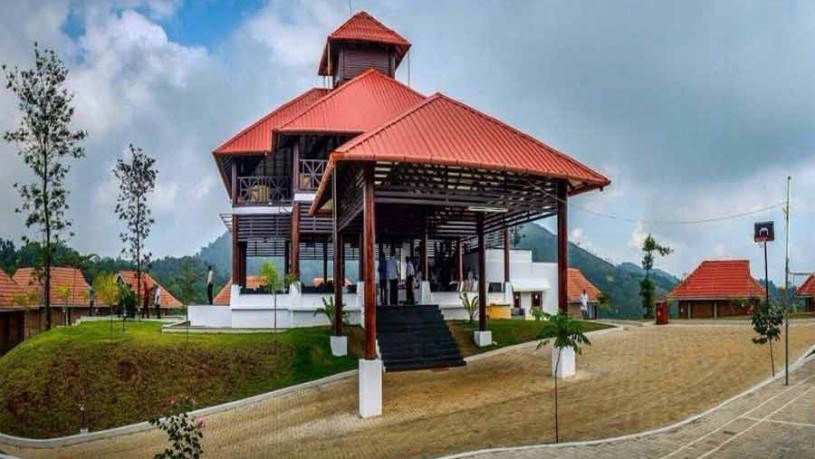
[209,284]
[157,300]
[145,302]
[393,278]
[91,300]
[584,304]
[382,273]
[410,276]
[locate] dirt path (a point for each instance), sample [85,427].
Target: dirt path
[628,382]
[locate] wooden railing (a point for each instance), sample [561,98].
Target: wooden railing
[264,190]
[311,172]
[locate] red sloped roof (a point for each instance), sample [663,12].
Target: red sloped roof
[8,290]
[257,138]
[364,27]
[359,105]
[718,279]
[808,287]
[167,299]
[577,282]
[441,130]
[71,278]
[224,296]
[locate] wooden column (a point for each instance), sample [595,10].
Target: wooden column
[234,181]
[367,251]
[482,273]
[506,254]
[286,253]
[236,255]
[562,248]
[460,265]
[360,243]
[325,262]
[242,250]
[295,240]
[339,274]
[423,255]
[295,164]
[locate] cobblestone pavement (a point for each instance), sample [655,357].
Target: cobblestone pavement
[629,382]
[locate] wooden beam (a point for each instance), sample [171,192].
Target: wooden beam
[236,256]
[562,248]
[295,174]
[506,254]
[295,240]
[234,182]
[482,274]
[368,236]
[339,274]
[424,261]
[460,263]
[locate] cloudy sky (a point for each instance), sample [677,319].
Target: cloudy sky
[694,109]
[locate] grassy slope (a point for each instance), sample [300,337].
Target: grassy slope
[504,333]
[127,378]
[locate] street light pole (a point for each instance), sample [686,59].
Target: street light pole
[787,286]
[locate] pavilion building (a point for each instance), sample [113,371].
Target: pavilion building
[370,170]
[716,288]
[807,292]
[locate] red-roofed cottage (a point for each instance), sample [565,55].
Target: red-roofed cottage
[12,313]
[807,292]
[69,293]
[373,171]
[716,288]
[168,301]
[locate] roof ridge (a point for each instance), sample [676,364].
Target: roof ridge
[364,15]
[270,114]
[369,72]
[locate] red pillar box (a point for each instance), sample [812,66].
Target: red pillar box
[661,309]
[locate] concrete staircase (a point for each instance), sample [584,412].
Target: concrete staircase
[415,338]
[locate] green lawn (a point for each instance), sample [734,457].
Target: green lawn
[504,333]
[128,378]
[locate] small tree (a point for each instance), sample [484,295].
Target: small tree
[45,141]
[26,301]
[767,319]
[64,294]
[566,333]
[271,279]
[330,311]
[603,303]
[649,248]
[470,305]
[137,179]
[107,290]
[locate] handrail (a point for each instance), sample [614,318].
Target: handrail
[311,173]
[264,189]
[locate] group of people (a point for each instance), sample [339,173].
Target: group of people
[389,272]
[152,294]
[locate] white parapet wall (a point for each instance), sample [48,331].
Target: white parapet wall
[210,316]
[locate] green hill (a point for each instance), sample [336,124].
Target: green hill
[620,282]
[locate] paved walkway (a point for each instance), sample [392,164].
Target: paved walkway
[629,382]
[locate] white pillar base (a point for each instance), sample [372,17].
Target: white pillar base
[482,338]
[425,295]
[370,388]
[566,369]
[339,346]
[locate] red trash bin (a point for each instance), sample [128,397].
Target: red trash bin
[661,312]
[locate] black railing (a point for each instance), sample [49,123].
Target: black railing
[263,190]
[311,173]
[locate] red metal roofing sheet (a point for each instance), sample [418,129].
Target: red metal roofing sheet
[257,138]
[359,105]
[719,279]
[8,290]
[576,283]
[71,278]
[808,287]
[364,27]
[441,130]
[167,299]
[224,296]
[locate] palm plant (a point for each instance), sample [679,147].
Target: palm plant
[329,311]
[566,333]
[470,305]
[272,281]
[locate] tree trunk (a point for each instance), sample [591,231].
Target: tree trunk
[48,261]
[557,366]
[772,359]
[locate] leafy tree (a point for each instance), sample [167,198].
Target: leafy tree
[515,236]
[603,303]
[107,290]
[185,280]
[470,305]
[330,311]
[45,141]
[767,319]
[566,333]
[649,248]
[272,281]
[7,256]
[137,179]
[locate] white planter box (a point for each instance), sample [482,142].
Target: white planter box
[567,368]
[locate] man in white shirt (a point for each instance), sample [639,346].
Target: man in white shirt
[157,300]
[393,278]
[209,285]
[584,305]
[410,276]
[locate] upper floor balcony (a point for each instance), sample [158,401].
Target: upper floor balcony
[264,190]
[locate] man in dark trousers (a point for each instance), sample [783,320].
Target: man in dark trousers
[209,284]
[382,272]
[410,276]
[393,278]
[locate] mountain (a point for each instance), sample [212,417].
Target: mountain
[620,282]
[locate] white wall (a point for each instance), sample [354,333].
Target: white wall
[209,316]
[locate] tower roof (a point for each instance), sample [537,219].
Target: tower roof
[718,279]
[362,27]
[359,105]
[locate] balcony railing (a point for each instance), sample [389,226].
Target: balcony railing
[264,190]
[311,173]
